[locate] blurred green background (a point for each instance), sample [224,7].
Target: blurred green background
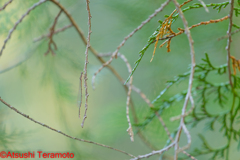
[46,87]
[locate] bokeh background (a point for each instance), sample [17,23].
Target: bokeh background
[46,87]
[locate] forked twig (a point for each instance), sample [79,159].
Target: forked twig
[234,32]
[186,113]
[51,33]
[55,32]
[169,135]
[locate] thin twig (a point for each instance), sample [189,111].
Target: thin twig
[229,41]
[142,95]
[58,131]
[134,88]
[55,32]
[80,94]
[234,32]
[5,5]
[187,32]
[51,36]
[129,130]
[164,126]
[187,113]
[126,38]
[86,62]
[169,135]
[188,138]
[154,152]
[18,22]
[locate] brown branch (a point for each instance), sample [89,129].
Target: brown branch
[229,41]
[5,5]
[18,22]
[55,32]
[51,36]
[127,37]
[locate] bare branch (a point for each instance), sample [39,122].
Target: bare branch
[55,32]
[127,37]
[58,131]
[229,41]
[18,22]
[86,62]
[5,5]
